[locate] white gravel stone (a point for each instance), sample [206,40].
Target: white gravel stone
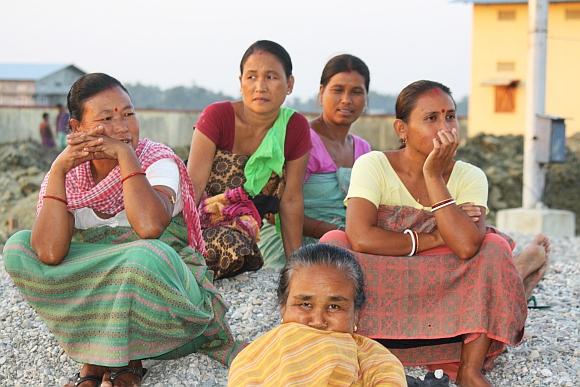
[534,354]
[548,355]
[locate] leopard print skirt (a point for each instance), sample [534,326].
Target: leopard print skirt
[231,251]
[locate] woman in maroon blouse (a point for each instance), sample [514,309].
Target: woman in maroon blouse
[247,160]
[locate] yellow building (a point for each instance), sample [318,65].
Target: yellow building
[499,66]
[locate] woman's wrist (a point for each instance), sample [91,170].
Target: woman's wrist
[128,161]
[433,177]
[57,170]
[125,152]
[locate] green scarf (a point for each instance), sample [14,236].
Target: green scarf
[269,157]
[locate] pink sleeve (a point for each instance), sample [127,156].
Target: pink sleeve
[319,160]
[361,146]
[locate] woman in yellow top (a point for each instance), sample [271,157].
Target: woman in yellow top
[320,294]
[444,288]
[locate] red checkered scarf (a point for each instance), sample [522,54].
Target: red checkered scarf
[107,196]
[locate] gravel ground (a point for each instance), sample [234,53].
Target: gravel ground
[548,356]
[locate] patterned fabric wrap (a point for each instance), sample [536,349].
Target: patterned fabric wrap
[436,295]
[232,209]
[231,249]
[296,355]
[117,298]
[107,195]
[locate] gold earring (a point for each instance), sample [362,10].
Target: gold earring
[355,328]
[281,321]
[404,140]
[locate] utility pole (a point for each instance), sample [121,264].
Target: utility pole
[534,175]
[533,217]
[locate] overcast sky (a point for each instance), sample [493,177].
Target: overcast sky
[185,42]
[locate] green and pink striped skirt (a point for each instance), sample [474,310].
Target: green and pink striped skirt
[117,298]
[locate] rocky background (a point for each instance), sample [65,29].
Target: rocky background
[23,165]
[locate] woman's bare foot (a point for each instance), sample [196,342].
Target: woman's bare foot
[532,263]
[89,370]
[471,377]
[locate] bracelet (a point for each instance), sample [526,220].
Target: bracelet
[413,241]
[416,242]
[170,196]
[56,198]
[441,204]
[131,175]
[340,228]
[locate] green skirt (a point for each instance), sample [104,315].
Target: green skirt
[116,298]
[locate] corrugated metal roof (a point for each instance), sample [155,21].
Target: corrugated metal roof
[28,71]
[511,1]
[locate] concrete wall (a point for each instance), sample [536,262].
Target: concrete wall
[174,128]
[498,41]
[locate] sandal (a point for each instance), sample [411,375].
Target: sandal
[139,372]
[430,380]
[92,378]
[535,305]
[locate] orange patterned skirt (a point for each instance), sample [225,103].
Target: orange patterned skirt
[435,295]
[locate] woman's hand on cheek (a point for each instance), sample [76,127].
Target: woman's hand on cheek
[445,146]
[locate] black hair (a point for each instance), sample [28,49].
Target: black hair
[270,47]
[407,99]
[44,115]
[323,254]
[345,63]
[85,87]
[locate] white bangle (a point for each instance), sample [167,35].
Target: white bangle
[413,242]
[438,207]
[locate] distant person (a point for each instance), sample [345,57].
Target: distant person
[46,137]
[247,160]
[113,264]
[61,126]
[344,87]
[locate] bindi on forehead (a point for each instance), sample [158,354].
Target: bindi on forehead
[116,109]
